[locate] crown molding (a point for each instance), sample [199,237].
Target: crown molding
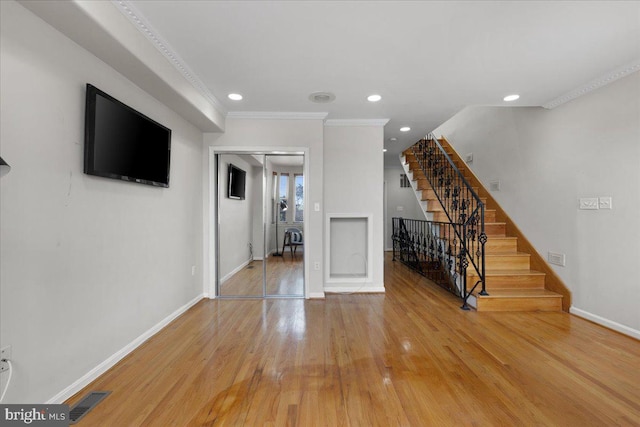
[595,84]
[138,20]
[276,115]
[356,122]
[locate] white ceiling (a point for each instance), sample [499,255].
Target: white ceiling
[427,59]
[287,161]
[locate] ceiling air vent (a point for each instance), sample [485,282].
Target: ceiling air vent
[322,97]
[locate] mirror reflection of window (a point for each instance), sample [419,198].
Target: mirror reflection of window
[283,196]
[299,197]
[274,197]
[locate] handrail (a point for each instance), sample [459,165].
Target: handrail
[461,204]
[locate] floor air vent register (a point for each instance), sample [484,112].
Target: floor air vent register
[83,407]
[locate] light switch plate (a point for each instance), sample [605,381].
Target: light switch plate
[469,158]
[605,203]
[589,203]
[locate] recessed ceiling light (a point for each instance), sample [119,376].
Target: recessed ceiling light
[374,98]
[513,97]
[384,150]
[235,96]
[405,129]
[322,97]
[393,139]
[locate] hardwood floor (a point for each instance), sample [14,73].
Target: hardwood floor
[409,357]
[285,276]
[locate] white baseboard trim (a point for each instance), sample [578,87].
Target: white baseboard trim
[606,322]
[316,295]
[235,270]
[90,376]
[354,289]
[471,301]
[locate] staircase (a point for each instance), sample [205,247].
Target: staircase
[511,281]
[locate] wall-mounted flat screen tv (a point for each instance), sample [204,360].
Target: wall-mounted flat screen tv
[237,181]
[122,143]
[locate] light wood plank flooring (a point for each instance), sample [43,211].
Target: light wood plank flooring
[409,357]
[285,276]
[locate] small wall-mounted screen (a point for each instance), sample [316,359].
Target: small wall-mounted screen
[237,178]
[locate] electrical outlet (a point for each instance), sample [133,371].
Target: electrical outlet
[316,207]
[589,203]
[5,353]
[605,203]
[316,265]
[494,185]
[469,158]
[193,270]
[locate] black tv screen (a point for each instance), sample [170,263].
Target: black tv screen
[237,178]
[122,143]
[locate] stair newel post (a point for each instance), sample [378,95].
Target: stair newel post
[482,238]
[420,241]
[393,237]
[463,268]
[412,242]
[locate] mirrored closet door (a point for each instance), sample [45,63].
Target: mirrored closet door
[260,218]
[240,219]
[285,226]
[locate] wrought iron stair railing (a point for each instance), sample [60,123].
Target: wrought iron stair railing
[463,236]
[423,247]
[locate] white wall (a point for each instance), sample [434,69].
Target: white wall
[546,160]
[279,135]
[401,202]
[88,264]
[354,182]
[270,227]
[236,218]
[257,219]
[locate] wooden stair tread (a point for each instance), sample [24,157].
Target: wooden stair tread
[516,278]
[506,299]
[515,272]
[500,240]
[513,260]
[495,229]
[519,293]
[501,254]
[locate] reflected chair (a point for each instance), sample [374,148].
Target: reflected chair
[293,239]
